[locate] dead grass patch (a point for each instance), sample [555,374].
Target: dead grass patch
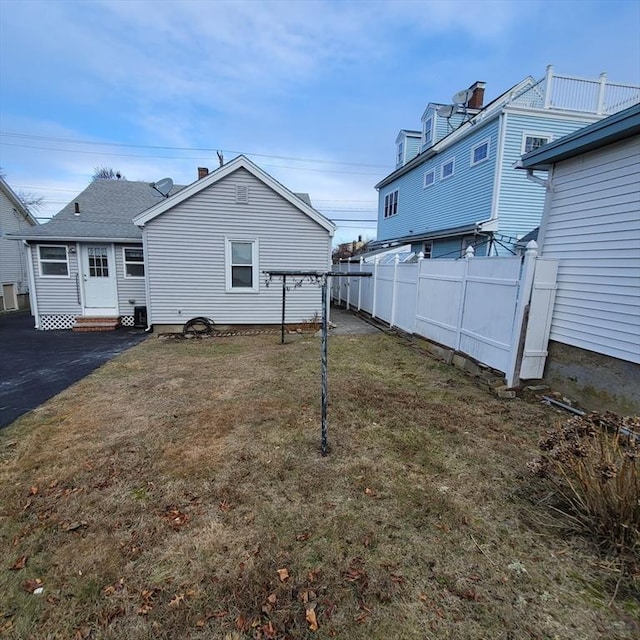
[179,492]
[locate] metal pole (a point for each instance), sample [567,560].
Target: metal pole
[284,296]
[324,364]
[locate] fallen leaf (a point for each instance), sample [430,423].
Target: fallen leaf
[225,505]
[423,597]
[272,598]
[302,537]
[34,490]
[20,563]
[74,526]
[283,574]
[313,575]
[144,609]
[177,599]
[311,616]
[175,517]
[369,492]
[31,585]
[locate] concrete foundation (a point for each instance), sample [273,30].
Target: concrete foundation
[595,381]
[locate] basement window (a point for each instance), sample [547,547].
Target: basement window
[54,261]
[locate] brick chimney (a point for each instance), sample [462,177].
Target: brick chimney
[476,100]
[202,172]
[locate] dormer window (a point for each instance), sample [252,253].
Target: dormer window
[427,132]
[400,158]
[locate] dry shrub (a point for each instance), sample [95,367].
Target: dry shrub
[593,462]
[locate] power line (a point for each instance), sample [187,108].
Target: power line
[133,155]
[200,149]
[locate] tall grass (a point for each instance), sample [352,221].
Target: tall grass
[593,463]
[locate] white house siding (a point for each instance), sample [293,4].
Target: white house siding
[521,201]
[128,288]
[593,228]
[13,258]
[185,254]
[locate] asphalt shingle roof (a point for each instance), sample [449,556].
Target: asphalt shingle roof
[107,208]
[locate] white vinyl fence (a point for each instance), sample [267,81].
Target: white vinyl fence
[496,310]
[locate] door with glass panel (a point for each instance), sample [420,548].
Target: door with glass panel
[99,278]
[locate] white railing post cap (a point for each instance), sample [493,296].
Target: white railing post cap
[532,248]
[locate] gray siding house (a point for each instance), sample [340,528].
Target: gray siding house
[14,278]
[591,224]
[207,246]
[199,251]
[86,264]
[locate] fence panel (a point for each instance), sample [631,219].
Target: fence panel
[405,302]
[476,305]
[440,286]
[489,310]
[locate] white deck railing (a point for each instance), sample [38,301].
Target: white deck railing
[569,93]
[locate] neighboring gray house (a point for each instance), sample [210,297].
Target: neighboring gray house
[14,280]
[198,252]
[591,224]
[207,246]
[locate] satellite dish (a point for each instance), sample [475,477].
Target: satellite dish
[163,186]
[446,111]
[462,97]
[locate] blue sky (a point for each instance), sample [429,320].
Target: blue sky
[314,92]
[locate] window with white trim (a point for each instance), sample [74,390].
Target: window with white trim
[133,262]
[532,142]
[54,261]
[479,152]
[242,265]
[400,158]
[446,171]
[391,204]
[429,178]
[427,131]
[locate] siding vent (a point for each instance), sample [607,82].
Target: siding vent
[242,194]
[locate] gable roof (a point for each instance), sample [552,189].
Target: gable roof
[623,124]
[16,202]
[297,200]
[107,208]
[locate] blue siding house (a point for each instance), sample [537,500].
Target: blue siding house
[455,183]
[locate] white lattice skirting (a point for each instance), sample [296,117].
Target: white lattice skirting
[57,321]
[126,321]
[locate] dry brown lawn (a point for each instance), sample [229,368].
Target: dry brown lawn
[179,492]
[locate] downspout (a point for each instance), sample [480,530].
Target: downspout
[33,299]
[145,257]
[541,181]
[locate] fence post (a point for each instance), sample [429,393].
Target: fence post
[360,284]
[348,285]
[547,86]
[376,260]
[601,94]
[524,296]
[396,261]
[417,306]
[468,254]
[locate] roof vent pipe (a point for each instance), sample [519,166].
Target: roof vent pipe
[76,208]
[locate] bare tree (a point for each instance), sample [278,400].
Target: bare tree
[107,173]
[29,199]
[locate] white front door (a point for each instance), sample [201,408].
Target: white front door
[99,279]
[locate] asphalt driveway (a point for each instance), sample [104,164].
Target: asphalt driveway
[36,365]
